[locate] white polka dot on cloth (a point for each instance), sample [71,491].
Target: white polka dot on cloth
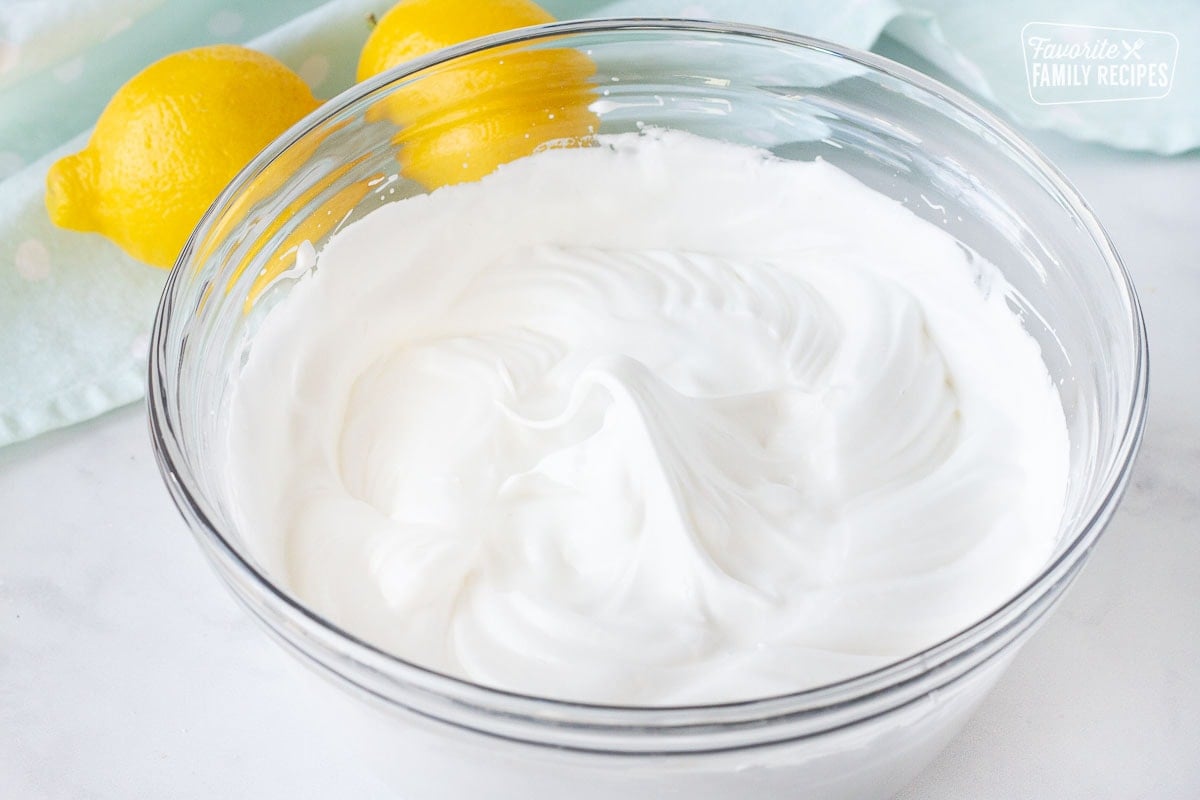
[314,70]
[69,71]
[140,348]
[10,54]
[121,25]
[32,260]
[10,163]
[225,23]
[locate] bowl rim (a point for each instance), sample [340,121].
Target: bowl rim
[186,494]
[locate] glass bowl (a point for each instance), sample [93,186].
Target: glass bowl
[940,154]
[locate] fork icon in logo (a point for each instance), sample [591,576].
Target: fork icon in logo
[1132,49]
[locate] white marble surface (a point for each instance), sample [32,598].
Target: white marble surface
[126,671]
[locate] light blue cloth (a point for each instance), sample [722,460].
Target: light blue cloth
[981,46]
[75,312]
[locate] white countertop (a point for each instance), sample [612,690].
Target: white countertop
[127,671]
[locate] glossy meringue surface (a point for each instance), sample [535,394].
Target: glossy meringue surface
[661,421]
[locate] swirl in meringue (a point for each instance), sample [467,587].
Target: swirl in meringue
[661,421]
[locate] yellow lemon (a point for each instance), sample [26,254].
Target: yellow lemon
[460,121]
[413,28]
[168,142]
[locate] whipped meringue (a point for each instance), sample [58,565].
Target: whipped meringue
[661,421]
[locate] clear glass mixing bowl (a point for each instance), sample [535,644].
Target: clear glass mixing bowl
[943,156]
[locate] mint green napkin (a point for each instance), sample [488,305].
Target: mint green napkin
[75,313]
[981,46]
